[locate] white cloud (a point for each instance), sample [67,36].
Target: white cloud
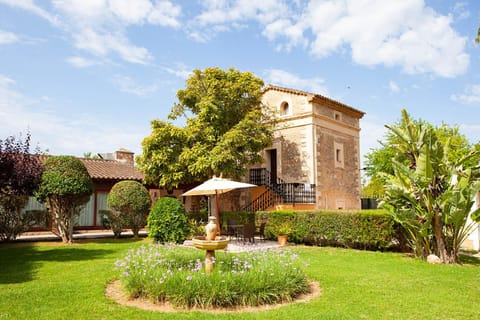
[6,81]
[123,12]
[100,26]
[393,86]
[460,11]
[398,33]
[407,33]
[29,5]
[7,37]
[74,135]
[221,12]
[225,15]
[471,95]
[180,71]
[103,44]
[126,84]
[165,14]
[80,62]
[287,79]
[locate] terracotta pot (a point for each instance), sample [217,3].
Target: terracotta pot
[282,239]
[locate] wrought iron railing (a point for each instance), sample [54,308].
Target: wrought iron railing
[278,191]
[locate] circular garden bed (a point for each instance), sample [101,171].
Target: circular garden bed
[174,276]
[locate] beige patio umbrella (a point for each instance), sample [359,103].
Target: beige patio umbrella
[216,186]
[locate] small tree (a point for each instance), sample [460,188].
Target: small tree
[132,200]
[20,174]
[66,186]
[168,221]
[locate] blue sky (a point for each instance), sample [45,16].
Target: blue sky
[89,75]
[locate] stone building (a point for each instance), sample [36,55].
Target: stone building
[314,161]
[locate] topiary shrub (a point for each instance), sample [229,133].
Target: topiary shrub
[168,221]
[132,201]
[65,187]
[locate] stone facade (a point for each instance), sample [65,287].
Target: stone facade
[316,142]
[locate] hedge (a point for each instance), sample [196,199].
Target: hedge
[365,229]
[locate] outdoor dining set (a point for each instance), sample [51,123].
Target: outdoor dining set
[245,232]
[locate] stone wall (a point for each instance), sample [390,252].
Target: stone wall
[338,187]
[294,157]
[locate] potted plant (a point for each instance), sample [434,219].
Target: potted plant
[282,231]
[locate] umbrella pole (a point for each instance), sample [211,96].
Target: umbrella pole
[217,212]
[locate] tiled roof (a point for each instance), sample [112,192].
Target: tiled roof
[111,169]
[106,169]
[314,96]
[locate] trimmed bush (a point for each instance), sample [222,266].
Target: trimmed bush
[168,221]
[366,229]
[133,201]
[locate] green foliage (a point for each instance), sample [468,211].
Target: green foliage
[176,274]
[132,202]
[20,174]
[13,221]
[65,187]
[374,189]
[168,221]
[198,221]
[379,161]
[64,176]
[225,130]
[432,188]
[367,229]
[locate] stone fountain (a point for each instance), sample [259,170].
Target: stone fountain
[210,243]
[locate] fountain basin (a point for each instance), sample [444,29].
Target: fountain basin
[210,245]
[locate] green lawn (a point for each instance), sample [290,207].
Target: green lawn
[47,281]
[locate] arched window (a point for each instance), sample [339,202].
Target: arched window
[284,108]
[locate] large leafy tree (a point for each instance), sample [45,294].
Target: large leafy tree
[20,173]
[66,186]
[429,191]
[226,128]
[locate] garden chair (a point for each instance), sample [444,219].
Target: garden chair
[249,232]
[231,228]
[260,232]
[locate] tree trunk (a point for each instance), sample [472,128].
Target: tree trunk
[59,216]
[437,226]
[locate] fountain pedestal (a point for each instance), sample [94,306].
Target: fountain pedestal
[210,243]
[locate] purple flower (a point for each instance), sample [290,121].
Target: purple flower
[189,278]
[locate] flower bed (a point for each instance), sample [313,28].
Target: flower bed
[176,274]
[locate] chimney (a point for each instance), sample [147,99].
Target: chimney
[125,156]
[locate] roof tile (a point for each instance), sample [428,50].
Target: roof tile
[111,169]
